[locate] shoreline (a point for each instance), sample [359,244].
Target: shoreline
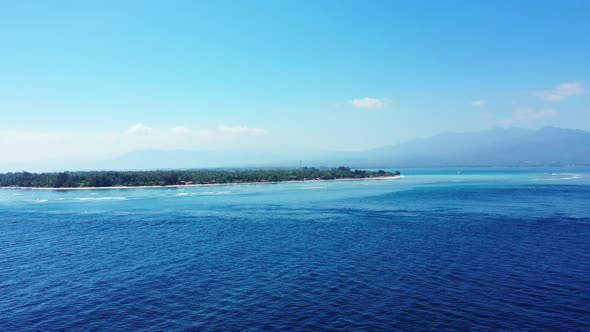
[391,177]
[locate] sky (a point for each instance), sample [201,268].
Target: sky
[93,80]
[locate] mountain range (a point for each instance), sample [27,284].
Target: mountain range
[495,147]
[549,146]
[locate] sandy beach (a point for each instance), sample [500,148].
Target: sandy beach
[204,184]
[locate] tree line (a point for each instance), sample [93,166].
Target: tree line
[173,177]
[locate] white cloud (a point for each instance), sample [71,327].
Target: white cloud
[478,103]
[561,92]
[368,103]
[140,129]
[23,146]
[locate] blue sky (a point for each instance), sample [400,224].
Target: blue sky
[118,76]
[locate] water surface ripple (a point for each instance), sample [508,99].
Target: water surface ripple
[417,254]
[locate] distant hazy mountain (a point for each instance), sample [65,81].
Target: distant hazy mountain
[495,147]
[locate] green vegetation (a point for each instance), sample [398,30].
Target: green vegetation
[172,177]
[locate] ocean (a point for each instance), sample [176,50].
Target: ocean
[436,250]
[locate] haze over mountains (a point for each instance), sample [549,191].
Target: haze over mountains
[495,147]
[549,146]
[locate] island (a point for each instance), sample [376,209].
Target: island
[159,178]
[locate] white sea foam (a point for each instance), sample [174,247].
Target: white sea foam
[109,198]
[220,192]
[40,201]
[205,193]
[565,176]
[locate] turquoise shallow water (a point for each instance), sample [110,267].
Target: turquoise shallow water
[486,249]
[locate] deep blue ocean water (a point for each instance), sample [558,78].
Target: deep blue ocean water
[484,250]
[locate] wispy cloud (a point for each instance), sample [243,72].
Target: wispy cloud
[368,103]
[478,103]
[528,114]
[532,114]
[141,129]
[487,115]
[22,146]
[180,130]
[561,92]
[504,122]
[243,130]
